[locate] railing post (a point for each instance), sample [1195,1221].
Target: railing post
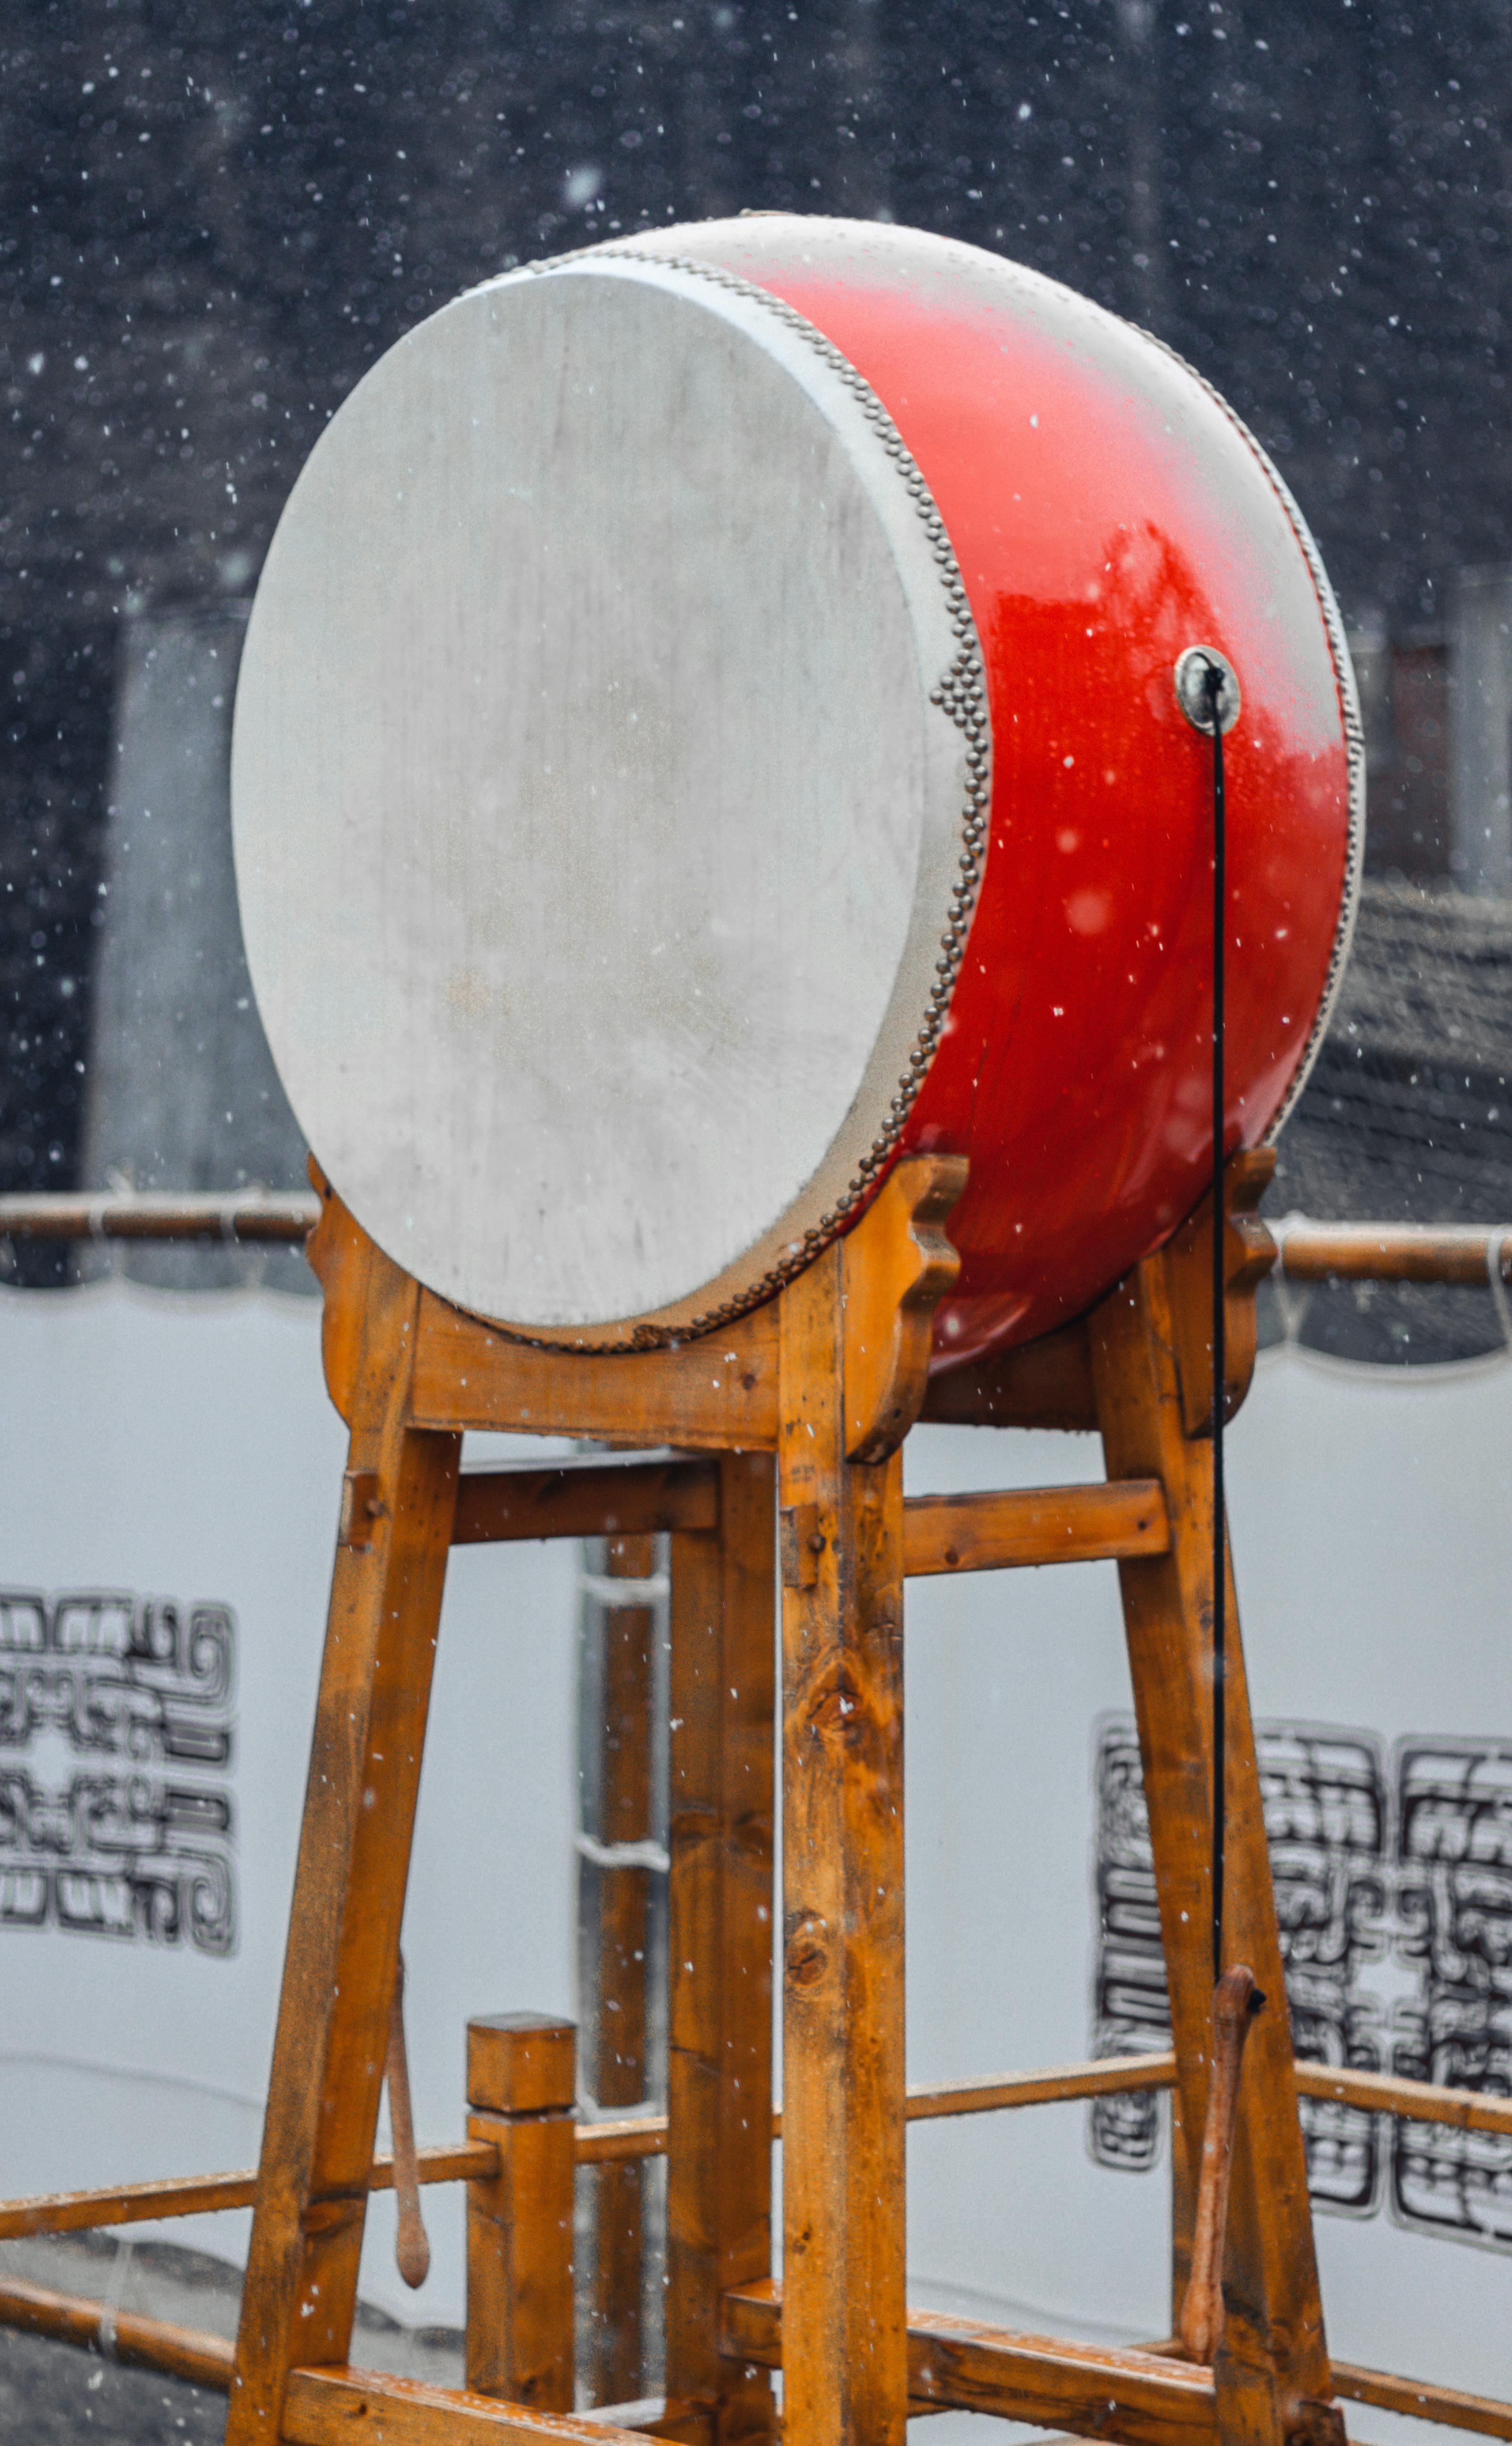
[521,2089]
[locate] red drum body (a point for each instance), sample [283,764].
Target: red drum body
[1107,510]
[709,726]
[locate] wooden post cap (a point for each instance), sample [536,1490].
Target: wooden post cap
[521,2063]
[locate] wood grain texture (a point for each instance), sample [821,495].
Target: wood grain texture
[717,1394]
[1393,1252]
[1422,2401]
[200,2194]
[585,1499]
[1108,2076]
[300,2292]
[1183,2207]
[845,2366]
[721,1943]
[332,2405]
[144,2343]
[1042,1383]
[1274,2352]
[659,2415]
[521,2093]
[1249,1253]
[959,2365]
[160,1214]
[519,2330]
[955,2363]
[1415,2101]
[131,2204]
[412,2250]
[622,2139]
[1029,1526]
[1201,2320]
[521,2063]
[340,1255]
[645,2135]
[898,1265]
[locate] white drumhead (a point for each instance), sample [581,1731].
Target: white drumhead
[597,818]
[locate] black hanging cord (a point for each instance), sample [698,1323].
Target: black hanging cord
[1213,686]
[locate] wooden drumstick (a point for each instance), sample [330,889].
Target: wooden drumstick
[1236,2000]
[412,2251]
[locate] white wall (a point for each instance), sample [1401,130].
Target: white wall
[186,1448]
[1373,1540]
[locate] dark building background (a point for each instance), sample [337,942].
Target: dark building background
[215,215]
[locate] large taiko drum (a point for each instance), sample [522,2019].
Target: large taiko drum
[709,723]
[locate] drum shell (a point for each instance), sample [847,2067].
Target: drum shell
[1107,510]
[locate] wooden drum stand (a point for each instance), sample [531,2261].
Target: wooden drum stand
[802,1405]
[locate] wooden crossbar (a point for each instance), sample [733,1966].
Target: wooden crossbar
[958,2365]
[1415,2101]
[1105,2076]
[941,1533]
[716,1393]
[324,2406]
[1106,1522]
[1420,2401]
[1393,1252]
[586,1499]
[645,2135]
[620,2140]
[200,2194]
[144,2343]
[624,2140]
[611,2142]
[655,2415]
[950,2362]
[160,1214]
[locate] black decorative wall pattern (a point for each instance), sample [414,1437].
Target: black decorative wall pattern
[1393,1887]
[117,1732]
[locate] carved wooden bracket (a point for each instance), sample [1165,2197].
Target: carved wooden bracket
[898,1268]
[1249,1253]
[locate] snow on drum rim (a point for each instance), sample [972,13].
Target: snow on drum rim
[610,784]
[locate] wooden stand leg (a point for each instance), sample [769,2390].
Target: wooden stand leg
[521,2094]
[844,2320]
[397,1505]
[719,1945]
[1272,2370]
[855,1332]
